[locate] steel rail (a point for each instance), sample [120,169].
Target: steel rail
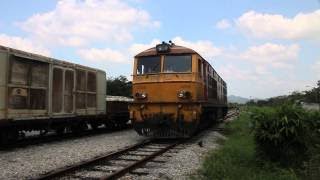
[110,156]
[65,170]
[139,163]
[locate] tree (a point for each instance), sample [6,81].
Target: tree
[119,86]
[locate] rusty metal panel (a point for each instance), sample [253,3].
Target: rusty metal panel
[92,82]
[68,91]
[57,90]
[81,89]
[3,68]
[91,90]
[101,92]
[19,70]
[39,74]
[81,101]
[81,80]
[91,100]
[3,80]
[24,114]
[2,102]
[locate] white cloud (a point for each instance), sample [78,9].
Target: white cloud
[301,26]
[107,55]
[102,55]
[23,44]
[232,72]
[78,22]
[276,55]
[204,47]
[223,24]
[138,47]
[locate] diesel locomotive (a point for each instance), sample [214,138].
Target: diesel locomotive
[176,92]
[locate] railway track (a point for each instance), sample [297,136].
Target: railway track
[116,164]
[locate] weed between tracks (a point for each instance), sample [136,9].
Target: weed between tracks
[236,158]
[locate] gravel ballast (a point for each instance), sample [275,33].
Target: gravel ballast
[181,162]
[31,161]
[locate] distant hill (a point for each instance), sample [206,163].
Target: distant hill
[237,99]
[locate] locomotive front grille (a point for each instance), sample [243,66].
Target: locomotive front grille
[162,125]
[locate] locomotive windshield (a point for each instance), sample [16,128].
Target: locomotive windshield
[148,65]
[174,63]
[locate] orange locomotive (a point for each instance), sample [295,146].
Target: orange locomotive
[176,92]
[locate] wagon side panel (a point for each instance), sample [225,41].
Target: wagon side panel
[101,92]
[3,81]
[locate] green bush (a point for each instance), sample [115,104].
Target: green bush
[285,133]
[236,159]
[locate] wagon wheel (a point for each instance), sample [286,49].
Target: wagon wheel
[60,130]
[8,136]
[79,127]
[94,126]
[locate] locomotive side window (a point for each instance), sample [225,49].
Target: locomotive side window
[204,71]
[199,67]
[148,65]
[215,89]
[177,63]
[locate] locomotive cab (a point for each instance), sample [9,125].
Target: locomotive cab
[169,90]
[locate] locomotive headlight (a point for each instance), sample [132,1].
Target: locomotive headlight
[141,95]
[184,94]
[181,94]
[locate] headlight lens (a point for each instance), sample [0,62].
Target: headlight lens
[181,94]
[142,95]
[184,94]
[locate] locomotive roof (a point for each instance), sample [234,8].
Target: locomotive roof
[38,57]
[174,49]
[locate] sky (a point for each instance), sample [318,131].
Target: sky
[260,48]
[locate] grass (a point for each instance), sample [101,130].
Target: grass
[236,158]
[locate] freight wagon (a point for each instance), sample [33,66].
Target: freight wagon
[42,93]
